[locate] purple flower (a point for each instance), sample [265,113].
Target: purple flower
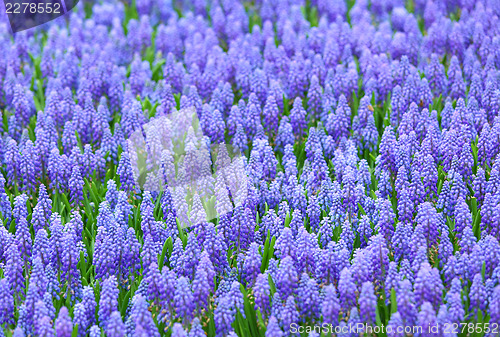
[337,123]
[14,270]
[29,167]
[6,303]
[367,302]
[289,314]
[63,325]
[271,114]
[394,323]
[140,318]
[236,297]
[80,318]
[330,306]
[23,239]
[111,194]
[201,289]
[95,331]
[242,230]
[109,145]
[287,278]
[20,210]
[18,331]
[115,326]
[108,301]
[124,170]
[463,217]
[285,244]
[328,263]
[69,260]
[347,289]
[361,269]
[224,316]
[131,262]
[105,253]
[314,96]
[38,276]
[148,224]
[308,298]
[190,257]
[467,241]
[5,206]
[252,264]
[208,267]
[392,279]
[122,209]
[406,302]
[273,329]
[196,329]
[261,292]
[478,295]
[42,210]
[149,253]
[307,246]
[285,133]
[76,186]
[456,310]
[387,149]
[155,284]
[166,98]
[178,330]
[385,222]
[428,285]
[45,327]
[240,139]
[313,212]
[427,319]
[183,299]
[436,75]
[495,305]
[427,217]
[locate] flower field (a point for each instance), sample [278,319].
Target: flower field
[262,168]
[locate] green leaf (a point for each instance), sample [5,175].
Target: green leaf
[271,284]
[361,209]
[75,330]
[92,188]
[68,299]
[265,254]
[88,209]
[65,201]
[476,228]
[157,70]
[473,206]
[124,303]
[177,98]
[12,227]
[161,258]
[288,219]
[394,303]
[262,325]
[377,316]
[82,264]
[250,313]
[475,156]
[182,235]
[271,250]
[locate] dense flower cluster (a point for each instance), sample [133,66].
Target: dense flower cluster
[371,136]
